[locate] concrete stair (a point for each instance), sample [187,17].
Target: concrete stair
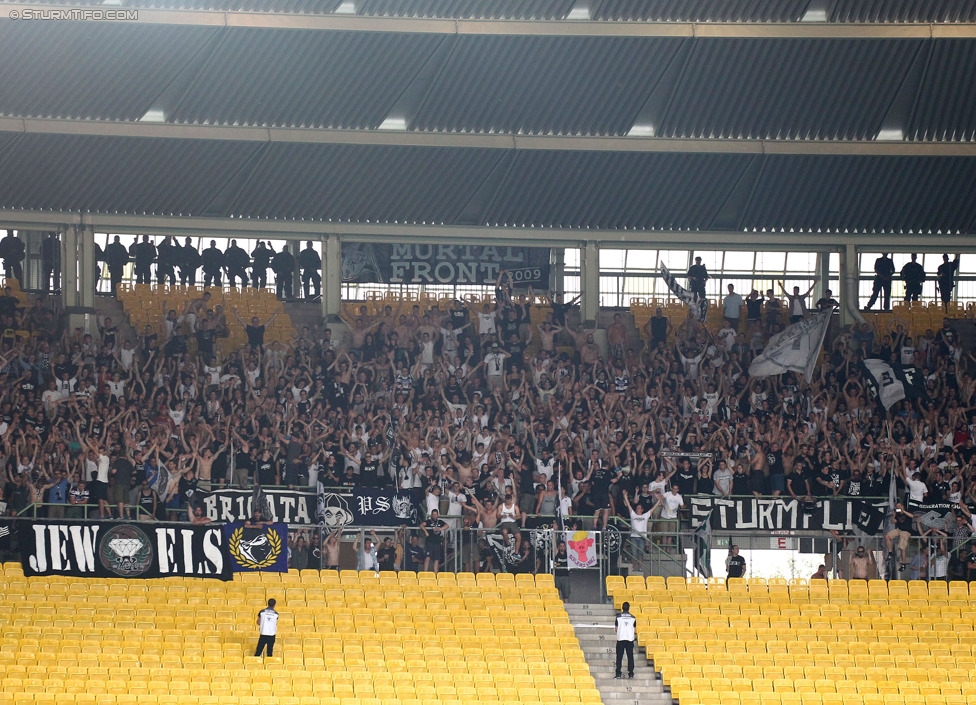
[605,318]
[111,307]
[593,624]
[304,313]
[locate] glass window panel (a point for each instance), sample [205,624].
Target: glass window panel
[645,260]
[571,286]
[833,264]
[675,260]
[571,257]
[712,259]
[612,259]
[610,293]
[931,261]
[801,262]
[639,286]
[867,262]
[967,264]
[770,261]
[739,261]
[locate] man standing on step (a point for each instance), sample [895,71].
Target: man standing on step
[268,627]
[626,626]
[311,265]
[116,257]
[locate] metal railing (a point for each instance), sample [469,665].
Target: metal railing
[88,512]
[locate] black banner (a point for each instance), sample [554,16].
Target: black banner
[6,529]
[783,514]
[371,507]
[257,548]
[443,264]
[286,506]
[114,550]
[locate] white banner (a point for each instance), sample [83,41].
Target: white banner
[699,307]
[887,386]
[795,349]
[581,548]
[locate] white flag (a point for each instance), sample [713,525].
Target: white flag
[795,349]
[699,307]
[582,548]
[883,378]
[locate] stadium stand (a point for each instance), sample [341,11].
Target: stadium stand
[144,305]
[757,641]
[345,638]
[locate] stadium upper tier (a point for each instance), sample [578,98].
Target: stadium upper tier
[806,642]
[344,638]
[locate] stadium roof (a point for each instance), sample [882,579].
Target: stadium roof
[688,115]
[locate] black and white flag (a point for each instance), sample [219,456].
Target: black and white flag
[699,307]
[893,383]
[794,349]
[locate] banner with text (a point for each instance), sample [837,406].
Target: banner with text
[777,514]
[113,550]
[286,506]
[371,507]
[940,516]
[443,264]
[252,548]
[581,547]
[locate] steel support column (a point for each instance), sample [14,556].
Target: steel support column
[331,277]
[590,284]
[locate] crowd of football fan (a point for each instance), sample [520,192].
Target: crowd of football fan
[503,422]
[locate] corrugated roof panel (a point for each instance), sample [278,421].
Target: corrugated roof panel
[376,184]
[946,104]
[106,174]
[616,190]
[90,70]
[701,10]
[876,194]
[469,9]
[559,85]
[787,88]
[903,11]
[304,78]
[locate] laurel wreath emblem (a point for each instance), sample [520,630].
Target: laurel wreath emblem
[234,545]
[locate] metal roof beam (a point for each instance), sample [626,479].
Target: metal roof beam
[401,138]
[543,237]
[577,28]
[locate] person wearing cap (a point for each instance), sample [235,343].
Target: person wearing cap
[494,364]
